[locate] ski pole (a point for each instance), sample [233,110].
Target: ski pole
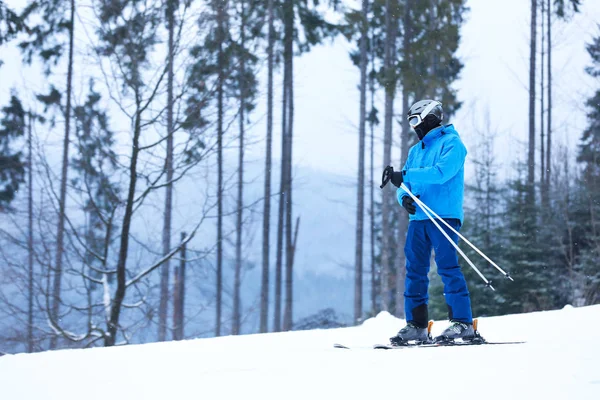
[481,253]
[487,283]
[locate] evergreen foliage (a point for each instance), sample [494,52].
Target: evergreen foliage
[95,163]
[12,167]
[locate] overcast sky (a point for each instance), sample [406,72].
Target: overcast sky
[494,49]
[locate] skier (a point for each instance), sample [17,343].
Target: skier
[434,172]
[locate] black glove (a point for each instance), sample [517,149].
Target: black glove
[409,204]
[397,178]
[389,175]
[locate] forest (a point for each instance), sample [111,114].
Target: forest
[129,210]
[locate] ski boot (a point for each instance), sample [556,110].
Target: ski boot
[460,330]
[411,334]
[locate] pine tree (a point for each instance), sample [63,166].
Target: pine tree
[10,23]
[358,24]
[587,284]
[525,253]
[12,165]
[561,8]
[94,164]
[264,297]
[532,98]
[248,16]
[389,80]
[483,226]
[304,26]
[170,6]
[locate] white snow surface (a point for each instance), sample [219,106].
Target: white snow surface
[561,360]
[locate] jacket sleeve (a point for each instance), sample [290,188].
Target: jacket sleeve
[450,162]
[400,193]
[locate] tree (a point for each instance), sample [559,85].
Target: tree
[221,34]
[543,190]
[10,24]
[587,285]
[532,98]
[166,239]
[373,120]
[210,78]
[561,10]
[57,17]
[127,36]
[179,294]
[264,298]
[250,22]
[389,81]
[314,28]
[360,211]
[360,19]
[563,6]
[12,165]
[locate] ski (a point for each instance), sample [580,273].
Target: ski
[477,340]
[381,346]
[441,344]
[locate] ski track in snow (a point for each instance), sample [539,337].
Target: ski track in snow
[561,360]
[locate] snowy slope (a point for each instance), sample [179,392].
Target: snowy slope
[303,365]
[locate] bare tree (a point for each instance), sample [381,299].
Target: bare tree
[63,181]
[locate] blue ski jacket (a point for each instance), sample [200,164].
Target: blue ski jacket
[434,170]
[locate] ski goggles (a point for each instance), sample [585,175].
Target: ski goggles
[417,119]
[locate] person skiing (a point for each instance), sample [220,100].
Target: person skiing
[433,172]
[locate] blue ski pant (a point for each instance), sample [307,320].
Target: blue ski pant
[421,238]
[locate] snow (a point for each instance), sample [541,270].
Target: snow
[561,360]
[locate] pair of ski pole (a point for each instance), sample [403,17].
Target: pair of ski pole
[433,216]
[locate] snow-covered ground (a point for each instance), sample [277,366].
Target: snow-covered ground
[561,360]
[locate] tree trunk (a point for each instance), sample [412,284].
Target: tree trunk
[282,200]
[289,61]
[549,136]
[532,65]
[404,141]
[374,272]
[63,183]
[240,202]
[115,311]
[542,143]
[30,235]
[360,202]
[166,239]
[179,294]
[374,290]
[288,316]
[386,206]
[220,90]
[264,298]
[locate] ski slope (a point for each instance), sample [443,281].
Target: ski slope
[561,360]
